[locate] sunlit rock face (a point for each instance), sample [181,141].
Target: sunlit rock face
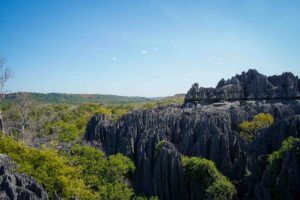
[15,186]
[207,131]
[248,85]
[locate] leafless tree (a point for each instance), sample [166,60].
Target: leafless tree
[5,75]
[37,120]
[24,107]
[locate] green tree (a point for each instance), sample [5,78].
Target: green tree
[216,185]
[48,168]
[105,176]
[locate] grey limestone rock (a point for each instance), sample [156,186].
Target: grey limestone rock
[210,132]
[207,131]
[248,85]
[15,186]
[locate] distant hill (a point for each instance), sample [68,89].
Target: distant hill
[80,98]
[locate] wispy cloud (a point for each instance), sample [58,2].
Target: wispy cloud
[114,58]
[144,51]
[218,63]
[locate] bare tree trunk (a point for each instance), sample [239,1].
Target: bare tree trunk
[1,123]
[5,75]
[23,131]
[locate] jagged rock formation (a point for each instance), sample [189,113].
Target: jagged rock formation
[285,183]
[15,186]
[248,85]
[206,131]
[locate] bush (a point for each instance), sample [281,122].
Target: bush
[84,171]
[48,168]
[275,159]
[105,176]
[216,186]
[159,146]
[248,130]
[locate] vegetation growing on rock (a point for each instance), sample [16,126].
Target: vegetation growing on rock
[83,172]
[275,159]
[249,129]
[216,186]
[159,145]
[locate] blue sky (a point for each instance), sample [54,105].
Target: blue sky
[144,47]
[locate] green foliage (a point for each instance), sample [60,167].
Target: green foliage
[61,98]
[67,122]
[48,168]
[221,189]
[84,171]
[104,176]
[274,164]
[217,186]
[67,132]
[159,145]
[249,129]
[275,159]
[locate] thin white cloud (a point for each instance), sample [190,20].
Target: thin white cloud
[114,58]
[155,49]
[144,51]
[218,63]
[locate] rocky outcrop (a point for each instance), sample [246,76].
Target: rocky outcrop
[168,169]
[155,139]
[284,182]
[248,85]
[208,131]
[15,186]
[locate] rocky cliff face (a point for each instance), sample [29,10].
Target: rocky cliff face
[248,85]
[285,182]
[207,131]
[15,186]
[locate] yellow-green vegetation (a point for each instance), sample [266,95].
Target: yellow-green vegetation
[83,172]
[72,99]
[66,121]
[153,104]
[105,176]
[69,121]
[275,159]
[159,145]
[249,129]
[216,185]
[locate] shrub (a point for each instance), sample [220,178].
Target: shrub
[249,129]
[159,145]
[275,159]
[84,171]
[216,186]
[106,176]
[48,168]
